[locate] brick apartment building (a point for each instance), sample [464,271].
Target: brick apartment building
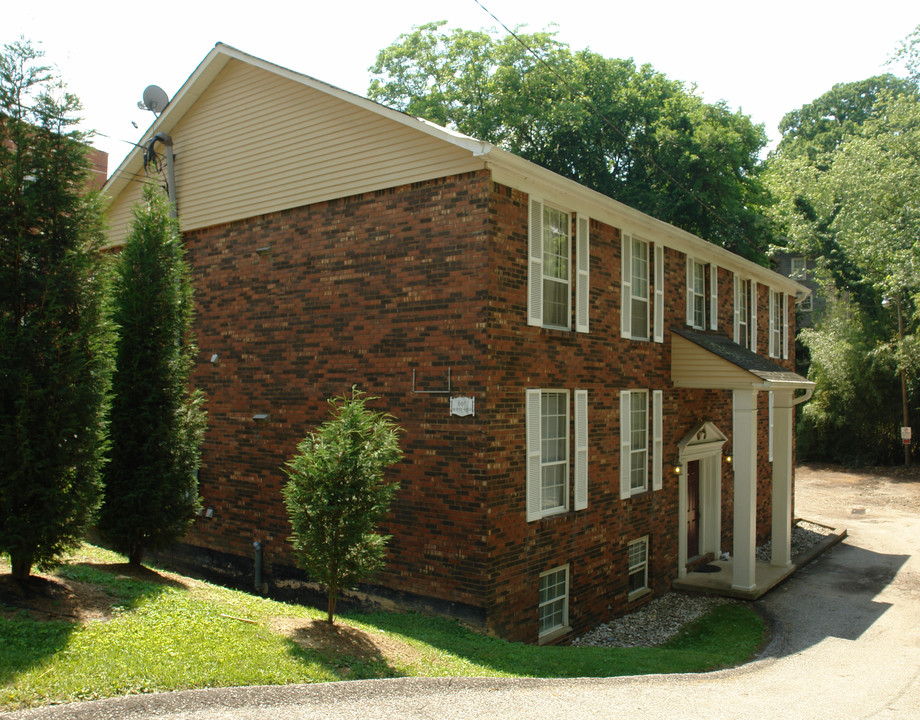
[594,401]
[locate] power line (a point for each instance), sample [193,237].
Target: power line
[603,118]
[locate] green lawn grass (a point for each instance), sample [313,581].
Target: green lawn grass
[174,635]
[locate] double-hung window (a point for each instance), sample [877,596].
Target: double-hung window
[548,455]
[696,294]
[554,600]
[742,310]
[550,270]
[640,263]
[637,552]
[635,440]
[557,252]
[779,327]
[639,287]
[638,450]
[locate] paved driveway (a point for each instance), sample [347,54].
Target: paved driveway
[848,646]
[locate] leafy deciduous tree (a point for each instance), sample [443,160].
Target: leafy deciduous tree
[157,423]
[54,362]
[847,180]
[337,494]
[626,131]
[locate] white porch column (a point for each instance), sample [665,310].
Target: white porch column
[782,478]
[744,446]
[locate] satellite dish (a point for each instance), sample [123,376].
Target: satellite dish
[155,99]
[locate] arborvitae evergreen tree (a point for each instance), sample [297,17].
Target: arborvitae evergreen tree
[54,364]
[157,423]
[337,494]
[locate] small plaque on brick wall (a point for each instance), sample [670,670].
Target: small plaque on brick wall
[462,406]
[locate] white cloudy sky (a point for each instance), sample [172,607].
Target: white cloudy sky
[765,58]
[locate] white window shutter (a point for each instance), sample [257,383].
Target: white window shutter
[689,291]
[713,297]
[657,438]
[582,279]
[736,308]
[535,264]
[625,435]
[785,327]
[659,293]
[754,315]
[534,443]
[771,329]
[581,449]
[625,285]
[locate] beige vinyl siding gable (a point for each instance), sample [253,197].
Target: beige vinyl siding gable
[694,367]
[257,142]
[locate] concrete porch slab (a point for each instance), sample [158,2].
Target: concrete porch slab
[766,576]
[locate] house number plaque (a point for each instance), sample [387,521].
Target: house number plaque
[462,406]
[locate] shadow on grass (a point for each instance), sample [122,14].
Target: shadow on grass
[39,615]
[348,652]
[729,635]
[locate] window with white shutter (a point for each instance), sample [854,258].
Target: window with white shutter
[696,294]
[547,429]
[633,442]
[549,268]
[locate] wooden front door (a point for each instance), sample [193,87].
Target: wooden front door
[693,509]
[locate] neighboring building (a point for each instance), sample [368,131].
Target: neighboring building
[554,356]
[801,269]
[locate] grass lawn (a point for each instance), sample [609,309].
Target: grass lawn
[113,631]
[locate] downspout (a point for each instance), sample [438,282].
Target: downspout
[170,168]
[257,547]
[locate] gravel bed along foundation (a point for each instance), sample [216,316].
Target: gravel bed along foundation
[662,618]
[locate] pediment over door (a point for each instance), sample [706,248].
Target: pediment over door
[703,440]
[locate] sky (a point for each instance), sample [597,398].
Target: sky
[764,58]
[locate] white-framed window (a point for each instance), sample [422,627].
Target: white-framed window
[554,600]
[547,421]
[557,256]
[807,305]
[638,288]
[633,442]
[742,310]
[798,268]
[779,325]
[549,301]
[642,278]
[696,294]
[637,552]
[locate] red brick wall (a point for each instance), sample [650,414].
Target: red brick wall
[300,305]
[303,304]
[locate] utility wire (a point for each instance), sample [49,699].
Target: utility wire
[594,109]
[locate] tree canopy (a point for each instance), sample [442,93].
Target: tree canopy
[54,363]
[626,131]
[846,179]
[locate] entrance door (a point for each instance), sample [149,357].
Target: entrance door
[693,509]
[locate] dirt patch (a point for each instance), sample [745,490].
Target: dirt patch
[46,597]
[49,596]
[344,640]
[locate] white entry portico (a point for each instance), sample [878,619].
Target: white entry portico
[714,362]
